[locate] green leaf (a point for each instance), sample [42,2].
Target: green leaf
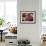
[1,21]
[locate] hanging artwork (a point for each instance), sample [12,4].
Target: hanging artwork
[28,17]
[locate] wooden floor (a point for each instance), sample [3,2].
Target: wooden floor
[2,43]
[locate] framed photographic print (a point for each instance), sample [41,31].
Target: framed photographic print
[28,17]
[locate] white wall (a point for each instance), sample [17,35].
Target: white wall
[30,31]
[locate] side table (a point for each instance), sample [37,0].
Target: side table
[1,34]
